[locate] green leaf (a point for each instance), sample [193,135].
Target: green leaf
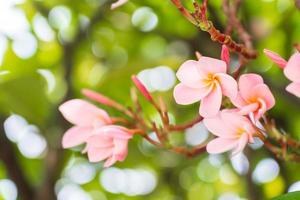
[289,196]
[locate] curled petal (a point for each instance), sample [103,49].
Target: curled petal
[278,60]
[250,108]
[82,113]
[294,88]
[238,101]
[190,75]
[263,92]
[76,136]
[185,95]
[211,104]
[228,85]
[118,4]
[247,82]
[220,145]
[292,69]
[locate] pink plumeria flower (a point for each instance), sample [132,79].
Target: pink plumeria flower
[110,143]
[291,69]
[233,132]
[204,80]
[254,96]
[85,117]
[118,4]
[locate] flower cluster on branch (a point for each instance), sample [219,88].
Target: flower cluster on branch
[233,106]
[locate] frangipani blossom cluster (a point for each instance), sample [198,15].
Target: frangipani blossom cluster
[93,127]
[207,80]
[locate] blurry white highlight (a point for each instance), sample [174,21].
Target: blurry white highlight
[27,137]
[161,78]
[131,182]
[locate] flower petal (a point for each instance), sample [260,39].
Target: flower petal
[220,145]
[114,131]
[294,88]
[211,104]
[245,110]
[82,113]
[120,149]
[247,82]
[219,127]
[110,161]
[99,154]
[185,95]
[278,60]
[263,92]
[228,85]
[209,65]
[238,101]
[292,69]
[99,141]
[76,136]
[189,74]
[241,144]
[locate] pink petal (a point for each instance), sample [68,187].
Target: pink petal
[82,113]
[250,108]
[118,4]
[247,82]
[219,127]
[228,85]
[76,136]
[276,58]
[120,149]
[185,95]
[220,145]
[211,104]
[235,121]
[189,74]
[114,131]
[110,161]
[261,111]
[241,144]
[225,56]
[263,92]
[99,154]
[294,88]
[238,101]
[292,69]
[209,65]
[99,141]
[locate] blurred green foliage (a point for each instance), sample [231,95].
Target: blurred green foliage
[104,48]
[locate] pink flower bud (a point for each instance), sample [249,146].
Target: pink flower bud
[278,60]
[142,88]
[225,56]
[97,97]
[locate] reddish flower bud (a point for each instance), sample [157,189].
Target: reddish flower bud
[142,88]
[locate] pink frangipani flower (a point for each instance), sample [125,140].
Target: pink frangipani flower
[108,142]
[204,80]
[233,132]
[254,96]
[291,69]
[118,4]
[85,117]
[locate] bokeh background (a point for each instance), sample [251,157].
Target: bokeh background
[51,49]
